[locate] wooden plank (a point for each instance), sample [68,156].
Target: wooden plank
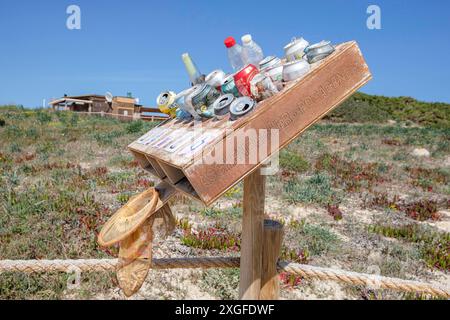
[173,174]
[156,166]
[272,241]
[185,188]
[166,192]
[144,163]
[252,236]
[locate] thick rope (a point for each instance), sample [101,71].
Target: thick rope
[354,278]
[305,271]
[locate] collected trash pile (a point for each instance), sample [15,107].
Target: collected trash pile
[254,79]
[147,217]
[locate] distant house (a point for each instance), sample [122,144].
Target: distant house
[123,107]
[84,103]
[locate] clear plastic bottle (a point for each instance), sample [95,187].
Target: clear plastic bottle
[234,52]
[251,52]
[194,74]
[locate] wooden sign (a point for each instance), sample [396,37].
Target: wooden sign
[183,155]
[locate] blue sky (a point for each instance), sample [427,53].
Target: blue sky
[135,46]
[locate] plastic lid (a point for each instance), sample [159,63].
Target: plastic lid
[229,42]
[247,38]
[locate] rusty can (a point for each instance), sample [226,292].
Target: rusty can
[243,77]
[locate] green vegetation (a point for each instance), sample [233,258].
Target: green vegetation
[434,246]
[370,108]
[63,174]
[421,209]
[351,175]
[222,283]
[313,240]
[315,189]
[211,238]
[292,161]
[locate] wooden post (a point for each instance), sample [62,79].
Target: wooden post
[272,240]
[252,236]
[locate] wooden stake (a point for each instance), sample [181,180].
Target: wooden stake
[252,236]
[272,240]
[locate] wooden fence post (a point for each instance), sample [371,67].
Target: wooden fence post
[272,241]
[252,236]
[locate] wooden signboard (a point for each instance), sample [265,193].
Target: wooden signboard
[175,151]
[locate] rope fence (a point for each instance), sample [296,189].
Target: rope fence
[304,271]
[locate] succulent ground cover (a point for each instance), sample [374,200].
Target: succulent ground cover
[350,195]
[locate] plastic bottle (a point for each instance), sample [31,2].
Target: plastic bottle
[251,52]
[194,74]
[234,52]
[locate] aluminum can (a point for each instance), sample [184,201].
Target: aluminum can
[222,105]
[262,87]
[215,79]
[243,77]
[202,98]
[228,86]
[165,103]
[241,106]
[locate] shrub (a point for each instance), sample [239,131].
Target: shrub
[43,117]
[222,283]
[74,119]
[434,246]
[211,212]
[353,175]
[14,147]
[32,133]
[362,107]
[421,210]
[13,131]
[216,237]
[107,138]
[134,126]
[62,116]
[312,239]
[316,189]
[292,161]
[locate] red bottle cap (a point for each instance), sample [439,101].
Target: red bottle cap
[229,42]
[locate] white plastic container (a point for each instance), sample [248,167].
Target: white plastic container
[251,52]
[234,52]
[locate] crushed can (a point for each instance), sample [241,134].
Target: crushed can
[262,87]
[243,77]
[228,86]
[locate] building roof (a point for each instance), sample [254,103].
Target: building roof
[69,99]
